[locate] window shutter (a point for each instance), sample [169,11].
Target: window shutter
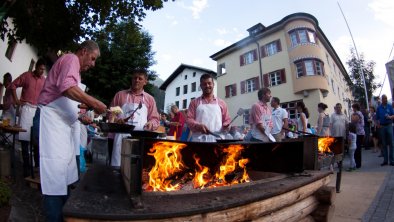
[266,80]
[263,52]
[242,87]
[255,55]
[241,60]
[257,83]
[278,45]
[234,89]
[227,91]
[282,76]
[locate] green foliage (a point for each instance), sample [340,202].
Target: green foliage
[56,24]
[5,194]
[124,47]
[355,67]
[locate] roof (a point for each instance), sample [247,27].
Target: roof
[179,70]
[273,28]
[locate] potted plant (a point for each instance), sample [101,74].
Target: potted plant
[5,196]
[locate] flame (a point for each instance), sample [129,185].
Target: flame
[325,143]
[169,171]
[168,162]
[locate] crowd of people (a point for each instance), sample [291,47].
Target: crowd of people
[49,106]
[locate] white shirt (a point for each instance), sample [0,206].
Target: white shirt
[278,115]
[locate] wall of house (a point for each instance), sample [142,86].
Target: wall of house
[171,98]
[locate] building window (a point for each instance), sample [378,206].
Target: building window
[302,36]
[184,89]
[194,74]
[250,85]
[291,109]
[221,69]
[177,91]
[271,48]
[177,103]
[231,90]
[333,87]
[184,104]
[274,78]
[246,116]
[31,66]
[309,67]
[194,86]
[248,57]
[10,49]
[185,77]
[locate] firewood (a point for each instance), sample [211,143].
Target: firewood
[308,218]
[326,195]
[323,213]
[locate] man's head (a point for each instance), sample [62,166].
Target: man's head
[40,67]
[174,109]
[356,106]
[338,108]
[275,102]
[88,52]
[264,95]
[139,78]
[207,84]
[7,78]
[384,99]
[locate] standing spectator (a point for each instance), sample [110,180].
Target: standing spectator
[177,122]
[384,120]
[352,138]
[358,119]
[279,120]
[31,83]
[8,104]
[374,130]
[261,117]
[338,122]
[186,133]
[303,115]
[323,122]
[367,128]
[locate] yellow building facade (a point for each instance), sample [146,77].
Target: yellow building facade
[293,58]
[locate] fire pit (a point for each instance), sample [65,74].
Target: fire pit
[267,182]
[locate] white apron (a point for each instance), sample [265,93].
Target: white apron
[27,112]
[139,120]
[76,126]
[257,134]
[58,167]
[211,116]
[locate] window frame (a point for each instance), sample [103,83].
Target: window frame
[193,87]
[185,89]
[301,36]
[315,67]
[177,91]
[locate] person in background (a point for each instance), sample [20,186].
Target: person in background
[374,130]
[8,103]
[31,84]
[176,123]
[384,120]
[207,113]
[279,120]
[56,114]
[145,118]
[261,117]
[235,133]
[352,138]
[323,121]
[358,119]
[186,133]
[311,129]
[367,128]
[338,122]
[303,115]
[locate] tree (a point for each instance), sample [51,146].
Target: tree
[123,47]
[355,65]
[50,25]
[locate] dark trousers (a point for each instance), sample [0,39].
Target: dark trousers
[357,153]
[386,138]
[25,157]
[53,207]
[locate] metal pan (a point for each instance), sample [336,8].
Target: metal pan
[116,127]
[228,140]
[144,134]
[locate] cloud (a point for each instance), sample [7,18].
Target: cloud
[197,7]
[166,57]
[172,20]
[222,31]
[197,62]
[221,43]
[383,10]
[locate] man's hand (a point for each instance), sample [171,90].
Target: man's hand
[85,119]
[204,129]
[100,107]
[148,126]
[226,128]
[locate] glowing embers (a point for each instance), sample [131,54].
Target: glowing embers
[324,144]
[170,172]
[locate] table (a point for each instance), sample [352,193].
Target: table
[11,130]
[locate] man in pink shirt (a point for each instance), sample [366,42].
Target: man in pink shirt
[145,118]
[260,117]
[57,113]
[31,84]
[207,114]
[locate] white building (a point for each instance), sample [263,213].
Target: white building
[183,85]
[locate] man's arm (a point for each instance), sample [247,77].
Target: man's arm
[191,118]
[153,120]
[225,116]
[18,82]
[76,93]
